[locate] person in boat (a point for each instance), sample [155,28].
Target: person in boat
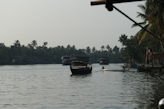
[104,69]
[126,67]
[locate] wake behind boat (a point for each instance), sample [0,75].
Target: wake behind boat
[115,70]
[110,70]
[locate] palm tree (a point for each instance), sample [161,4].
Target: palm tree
[88,50]
[153,20]
[142,15]
[45,44]
[68,46]
[2,45]
[93,49]
[34,44]
[102,47]
[155,12]
[17,43]
[108,48]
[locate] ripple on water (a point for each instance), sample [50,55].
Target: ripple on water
[52,87]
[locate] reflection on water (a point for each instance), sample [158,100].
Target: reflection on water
[52,87]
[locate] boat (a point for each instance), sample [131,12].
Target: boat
[66,60]
[126,66]
[103,61]
[80,68]
[80,58]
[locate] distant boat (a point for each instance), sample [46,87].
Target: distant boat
[103,61]
[66,60]
[80,68]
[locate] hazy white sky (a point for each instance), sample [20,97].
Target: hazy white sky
[63,22]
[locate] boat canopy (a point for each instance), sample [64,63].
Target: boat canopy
[80,58]
[79,63]
[65,57]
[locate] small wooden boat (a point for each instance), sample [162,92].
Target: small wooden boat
[103,61]
[66,60]
[80,68]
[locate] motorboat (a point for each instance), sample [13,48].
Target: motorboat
[66,60]
[103,61]
[80,68]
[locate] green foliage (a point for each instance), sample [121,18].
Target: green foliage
[131,50]
[18,54]
[153,20]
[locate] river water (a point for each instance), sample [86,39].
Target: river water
[53,87]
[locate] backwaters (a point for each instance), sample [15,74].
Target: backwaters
[53,87]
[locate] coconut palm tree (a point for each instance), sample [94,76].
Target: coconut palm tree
[45,44]
[93,49]
[34,44]
[142,15]
[108,48]
[153,20]
[102,47]
[155,10]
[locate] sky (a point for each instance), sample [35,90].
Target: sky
[63,22]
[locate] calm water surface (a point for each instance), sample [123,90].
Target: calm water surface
[52,87]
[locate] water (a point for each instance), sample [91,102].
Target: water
[52,87]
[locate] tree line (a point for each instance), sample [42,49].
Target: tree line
[18,54]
